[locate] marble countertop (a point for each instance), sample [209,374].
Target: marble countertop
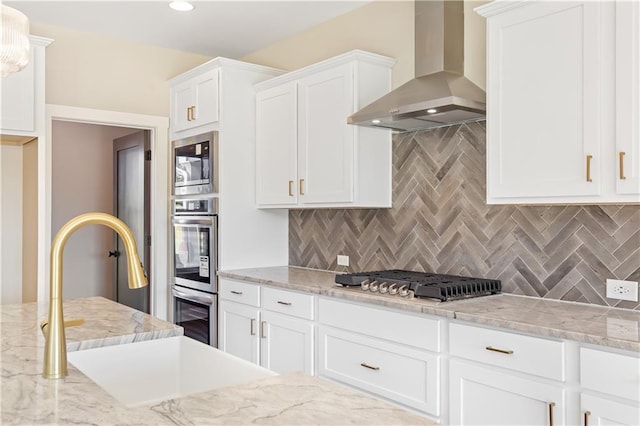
[27,398]
[598,325]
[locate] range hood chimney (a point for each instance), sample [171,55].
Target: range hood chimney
[440,95]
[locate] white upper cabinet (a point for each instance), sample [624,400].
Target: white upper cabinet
[23,94]
[628,97]
[554,134]
[195,102]
[306,154]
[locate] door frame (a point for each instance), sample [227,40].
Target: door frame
[159,188]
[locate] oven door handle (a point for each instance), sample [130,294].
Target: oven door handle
[193,220]
[205,300]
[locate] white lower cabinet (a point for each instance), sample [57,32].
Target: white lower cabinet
[384,352]
[610,384]
[502,378]
[408,376]
[267,326]
[486,396]
[597,411]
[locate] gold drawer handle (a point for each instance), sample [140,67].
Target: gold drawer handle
[300,187]
[622,176]
[284,303]
[586,418]
[290,188]
[502,351]
[589,158]
[365,365]
[551,406]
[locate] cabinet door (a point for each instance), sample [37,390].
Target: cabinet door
[276,146]
[483,396]
[206,98]
[286,343]
[182,99]
[238,330]
[543,102]
[195,102]
[325,141]
[597,411]
[17,108]
[628,97]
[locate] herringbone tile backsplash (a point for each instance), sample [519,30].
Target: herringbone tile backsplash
[440,223]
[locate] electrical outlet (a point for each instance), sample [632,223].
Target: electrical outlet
[343,260]
[622,290]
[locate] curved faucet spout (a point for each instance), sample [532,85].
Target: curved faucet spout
[55,353]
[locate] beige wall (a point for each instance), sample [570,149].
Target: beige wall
[384,27]
[10,223]
[94,71]
[82,181]
[30,221]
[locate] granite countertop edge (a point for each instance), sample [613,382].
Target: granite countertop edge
[322,283]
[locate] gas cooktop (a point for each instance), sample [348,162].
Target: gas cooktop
[408,284]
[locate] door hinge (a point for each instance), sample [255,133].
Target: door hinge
[147,240]
[147,155]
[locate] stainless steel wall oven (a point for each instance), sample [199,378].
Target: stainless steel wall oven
[195,250]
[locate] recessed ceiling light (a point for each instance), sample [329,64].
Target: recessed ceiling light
[375,121]
[182,6]
[432,111]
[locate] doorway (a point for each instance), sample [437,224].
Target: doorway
[159,195]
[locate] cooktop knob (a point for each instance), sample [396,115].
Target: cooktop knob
[384,287]
[393,289]
[374,286]
[403,291]
[364,285]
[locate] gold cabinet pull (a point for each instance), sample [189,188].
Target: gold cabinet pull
[300,187]
[193,112]
[188,113]
[263,334]
[551,406]
[622,176]
[284,303]
[586,417]
[251,324]
[502,351]
[290,188]
[589,157]
[370,367]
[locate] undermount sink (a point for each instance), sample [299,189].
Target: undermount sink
[156,370]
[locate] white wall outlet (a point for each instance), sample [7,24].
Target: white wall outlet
[622,290]
[343,260]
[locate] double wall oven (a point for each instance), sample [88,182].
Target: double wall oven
[195,237]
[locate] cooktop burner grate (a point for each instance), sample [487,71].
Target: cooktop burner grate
[421,284]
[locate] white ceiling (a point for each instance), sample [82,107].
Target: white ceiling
[230,28]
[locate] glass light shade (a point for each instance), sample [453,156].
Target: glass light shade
[14,41]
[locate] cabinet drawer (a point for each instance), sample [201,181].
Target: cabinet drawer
[288,302]
[532,355]
[413,330]
[240,292]
[402,374]
[611,373]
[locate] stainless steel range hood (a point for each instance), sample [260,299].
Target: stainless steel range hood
[440,95]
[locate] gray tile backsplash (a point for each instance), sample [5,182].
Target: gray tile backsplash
[440,223]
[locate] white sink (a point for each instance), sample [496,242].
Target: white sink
[157,370]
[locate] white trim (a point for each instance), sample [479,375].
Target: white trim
[159,127]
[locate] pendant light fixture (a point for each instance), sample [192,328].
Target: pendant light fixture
[14,40]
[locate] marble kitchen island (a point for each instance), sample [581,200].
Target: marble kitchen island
[27,398]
